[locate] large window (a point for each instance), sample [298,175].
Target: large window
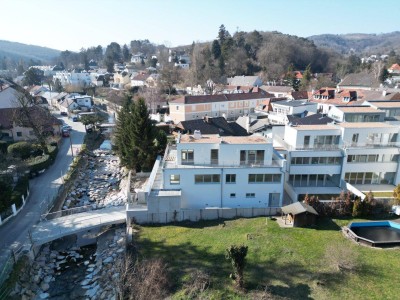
[174,179]
[250,195]
[322,141]
[251,157]
[362,158]
[187,157]
[370,177]
[214,156]
[264,178]
[315,160]
[230,178]
[207,178]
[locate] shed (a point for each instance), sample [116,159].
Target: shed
[299,214]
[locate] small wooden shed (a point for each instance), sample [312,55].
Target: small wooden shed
[299,214]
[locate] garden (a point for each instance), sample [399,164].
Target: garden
[281,263]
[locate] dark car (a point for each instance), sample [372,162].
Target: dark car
[74,119]
[63,113]
[65,133]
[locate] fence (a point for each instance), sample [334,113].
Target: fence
[14,209]
[66,212]
[194,215]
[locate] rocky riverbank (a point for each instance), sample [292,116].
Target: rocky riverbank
[75,273]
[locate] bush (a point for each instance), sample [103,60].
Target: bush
[3,147]
[20,149]
[5,193]
[39,163]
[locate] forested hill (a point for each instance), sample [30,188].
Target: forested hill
[15,51]
[361,43]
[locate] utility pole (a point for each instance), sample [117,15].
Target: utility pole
[70,143]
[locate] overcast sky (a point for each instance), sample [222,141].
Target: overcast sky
[73,24]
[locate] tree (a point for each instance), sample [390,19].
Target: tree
[237,256]
[384,74]
[57,86]
[136,135]
[33,76]
[126,55]
[113,51]
[305,81]
[170,76]
[216,49]
[109,63]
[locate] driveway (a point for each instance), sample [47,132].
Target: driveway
[42,191]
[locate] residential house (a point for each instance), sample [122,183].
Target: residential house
[14,126]
[73,78]
[229,106]
[139,79]
[121,79]
[68,105]
[281,109]
[8,95]
[362,81]
[277,90]
[138,58]
[35,90]
[391,108]
[394,69]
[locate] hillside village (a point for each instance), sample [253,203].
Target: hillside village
[297,147]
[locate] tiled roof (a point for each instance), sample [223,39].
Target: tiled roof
[298,208]
[395,67]
[298,95]
[276,88]
[359,79]
[9,115]
[243,80]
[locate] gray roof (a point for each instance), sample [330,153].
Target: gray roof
[276,88]
[359,79]
[293,103]
[243,80]
[298,208]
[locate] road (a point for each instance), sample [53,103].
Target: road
[42,190]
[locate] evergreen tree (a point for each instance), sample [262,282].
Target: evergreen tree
[216,49]
[383,75]
[305,81]
[136,137]
[125,53]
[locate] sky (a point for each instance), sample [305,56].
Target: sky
[73,24]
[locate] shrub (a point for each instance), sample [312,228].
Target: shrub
[3,147]
[237,256]
[39,163]
[20,149]
[5,193]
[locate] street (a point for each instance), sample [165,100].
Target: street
[42,190]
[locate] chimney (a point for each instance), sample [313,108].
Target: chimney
[197,134]
[248,124]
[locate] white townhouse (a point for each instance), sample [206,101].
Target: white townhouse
[72,78]
[210,171]
[326,159]
[281,109]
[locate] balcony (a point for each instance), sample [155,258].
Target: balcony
[318,147]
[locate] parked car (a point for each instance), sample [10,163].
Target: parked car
[74,119]
[67,127]
[63,113]
[65,133]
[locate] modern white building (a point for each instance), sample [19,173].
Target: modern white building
[74,79]
[209,171]
[326,159]
[281,109]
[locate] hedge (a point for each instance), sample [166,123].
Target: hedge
[43,162]
[3,147]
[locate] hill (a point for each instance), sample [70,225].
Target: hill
[15,51]
[360,43]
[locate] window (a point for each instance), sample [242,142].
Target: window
[207,178]
[232,195]
[177,107]
[230,178]
[187,157]
[214,156]
[174,179]
[19,133]
[264,178]
[306,141]
[251,157]
[355,138]
[250,195]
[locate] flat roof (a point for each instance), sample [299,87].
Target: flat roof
[315,127]
[365,125]
[359,109]
[389,104]
[293,103]
[215,138]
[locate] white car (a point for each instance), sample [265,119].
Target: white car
[67,127]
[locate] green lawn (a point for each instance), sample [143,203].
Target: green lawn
[289,260]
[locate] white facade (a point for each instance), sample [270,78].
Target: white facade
[281,109]
[75,79]
[321,159]
[230,172]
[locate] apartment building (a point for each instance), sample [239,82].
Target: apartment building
[324,159]
[210,171]
[229,106]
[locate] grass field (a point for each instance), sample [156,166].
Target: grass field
[290,261]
